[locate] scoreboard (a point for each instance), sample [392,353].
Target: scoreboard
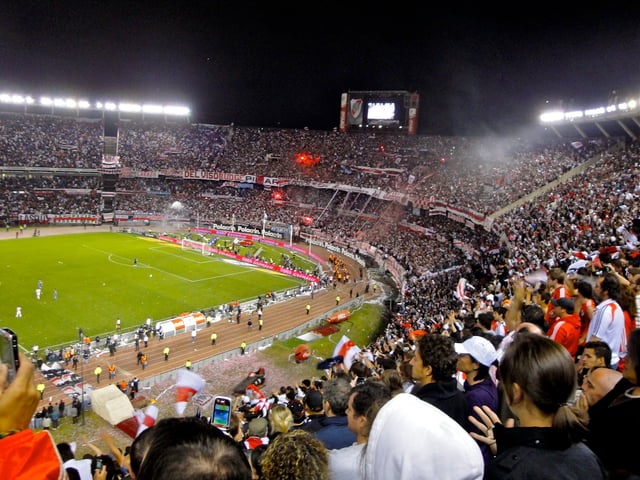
[395,110]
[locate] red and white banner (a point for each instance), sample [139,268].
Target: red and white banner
[377,171]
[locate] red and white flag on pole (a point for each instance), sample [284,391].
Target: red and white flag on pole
[347,350]
[147,418]
[187,385]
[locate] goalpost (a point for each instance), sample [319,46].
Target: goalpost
[192,245]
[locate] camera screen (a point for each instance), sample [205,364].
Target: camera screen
[221,414]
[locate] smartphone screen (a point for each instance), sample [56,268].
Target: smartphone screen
[221,412]
[9,351]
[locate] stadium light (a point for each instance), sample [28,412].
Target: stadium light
[176,110]
[603,111]
[71,103]
[152,108]
[595,112]
[129,107]
[573,115]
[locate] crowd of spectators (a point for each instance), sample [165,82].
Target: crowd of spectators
[459,282]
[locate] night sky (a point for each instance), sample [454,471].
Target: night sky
[273,64]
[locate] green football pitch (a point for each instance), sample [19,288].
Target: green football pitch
[98,282]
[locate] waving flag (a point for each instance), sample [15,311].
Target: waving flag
[347,350]
[329,363]
[460,292]
[147,418]
[187,385]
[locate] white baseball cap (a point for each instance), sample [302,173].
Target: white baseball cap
[479,348]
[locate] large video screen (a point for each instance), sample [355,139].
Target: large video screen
[377,109]
[381,111]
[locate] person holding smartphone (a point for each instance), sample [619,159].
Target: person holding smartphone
[18,402]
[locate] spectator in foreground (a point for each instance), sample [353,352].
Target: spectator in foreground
[280,420]
[365,401]
[434,366]
[595,354]
[566,329]
[608,323]
[296,454]
[314,409]
[539,379]
[600,387]
[414,440]
[620,457]
[476,355]
[191,449]
[38,456]
[335,432]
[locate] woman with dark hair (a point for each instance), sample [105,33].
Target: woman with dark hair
[539,378]
[192,449]
[476,357]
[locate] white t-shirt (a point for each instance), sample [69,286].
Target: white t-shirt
[346,463]
[608,325]
[83,466]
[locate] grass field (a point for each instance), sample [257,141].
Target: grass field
[97,282]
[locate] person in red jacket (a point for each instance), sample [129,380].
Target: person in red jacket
[23,453]
[566,329]
[557,289]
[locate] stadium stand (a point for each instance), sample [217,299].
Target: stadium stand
[428,210]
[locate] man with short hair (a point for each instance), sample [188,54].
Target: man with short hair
[364,402]
[313,403]
[434,366]
[555,286]
[602,383]
[334,431]
[585,306]
[566,329]
[608,323]
[594,355]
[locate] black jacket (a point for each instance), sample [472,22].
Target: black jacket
[541,453]
[447,397]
